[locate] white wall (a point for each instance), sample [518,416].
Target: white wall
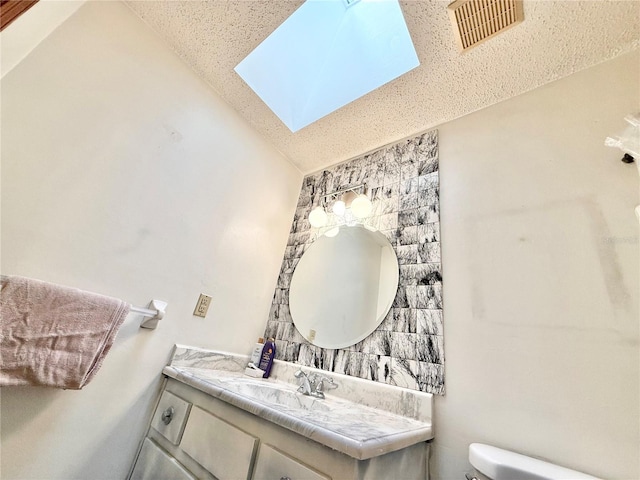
[540,267]
[123,174]
[33,26]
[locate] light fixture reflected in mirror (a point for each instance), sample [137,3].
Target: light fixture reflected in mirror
[332,232]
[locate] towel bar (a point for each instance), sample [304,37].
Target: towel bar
[153,313]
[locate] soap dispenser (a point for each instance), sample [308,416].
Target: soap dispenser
[256,354]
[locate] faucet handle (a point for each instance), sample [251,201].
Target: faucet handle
[323,382]
[305,383]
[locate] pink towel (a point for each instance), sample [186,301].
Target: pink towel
[54,336]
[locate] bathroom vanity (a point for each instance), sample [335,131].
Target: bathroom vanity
[214,422]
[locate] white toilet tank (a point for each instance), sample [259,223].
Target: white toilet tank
[497,464]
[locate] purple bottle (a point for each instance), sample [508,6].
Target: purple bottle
[266,359]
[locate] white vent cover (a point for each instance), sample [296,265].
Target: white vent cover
[474,21]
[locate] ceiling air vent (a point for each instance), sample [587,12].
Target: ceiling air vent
[474,21]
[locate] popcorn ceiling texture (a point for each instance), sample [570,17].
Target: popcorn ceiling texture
[407,349]
[556,39]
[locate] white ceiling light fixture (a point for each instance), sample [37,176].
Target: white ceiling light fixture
[327,54]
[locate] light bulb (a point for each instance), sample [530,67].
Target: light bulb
[339,207]
[361,206]
[318,217]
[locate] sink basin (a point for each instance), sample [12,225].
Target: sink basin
[273,395]
[360,418]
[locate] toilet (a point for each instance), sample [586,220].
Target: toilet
[492,463]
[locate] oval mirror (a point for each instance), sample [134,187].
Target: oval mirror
[343,287]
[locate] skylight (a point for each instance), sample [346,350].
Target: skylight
[327,54]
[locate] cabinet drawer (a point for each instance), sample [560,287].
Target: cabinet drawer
[274,465]
[155,464]
[224,450]
[171,416]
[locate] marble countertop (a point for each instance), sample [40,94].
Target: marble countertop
[348,425]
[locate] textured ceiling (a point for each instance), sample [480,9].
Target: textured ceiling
[557,38]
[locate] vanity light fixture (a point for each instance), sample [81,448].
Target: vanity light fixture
[318,217]
[339,207]
[361,206]
[358,204]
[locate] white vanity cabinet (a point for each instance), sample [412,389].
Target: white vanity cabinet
[216,440]
[224,450]
[272,463]
[156,464]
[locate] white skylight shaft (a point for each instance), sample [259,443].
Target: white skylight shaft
[326,55]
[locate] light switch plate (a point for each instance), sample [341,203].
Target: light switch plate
[202,306]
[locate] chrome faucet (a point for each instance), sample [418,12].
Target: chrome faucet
[321,382]
[314,385]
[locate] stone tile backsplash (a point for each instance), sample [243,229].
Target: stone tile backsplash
[407,349]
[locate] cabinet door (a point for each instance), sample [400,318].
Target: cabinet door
[171,416]
[155,464]
[224,450]
[275,465]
